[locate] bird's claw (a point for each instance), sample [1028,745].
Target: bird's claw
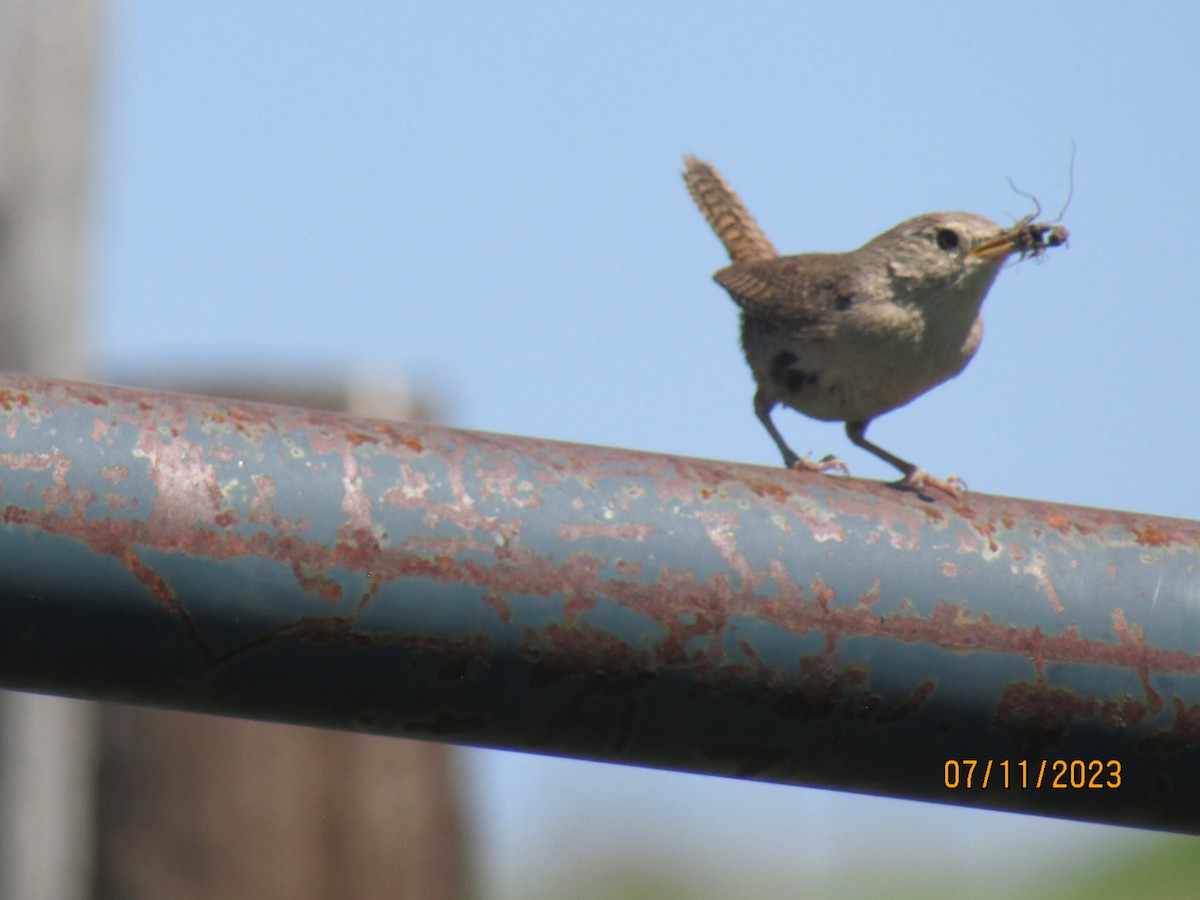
[919,478]
[827,463]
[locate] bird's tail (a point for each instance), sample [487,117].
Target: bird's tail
[726,213]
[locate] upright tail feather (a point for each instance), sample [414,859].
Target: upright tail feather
[726,213]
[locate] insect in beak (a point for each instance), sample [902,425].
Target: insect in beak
[1026,237]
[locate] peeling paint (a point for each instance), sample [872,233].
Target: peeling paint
[589,601]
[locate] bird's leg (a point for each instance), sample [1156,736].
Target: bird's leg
[914,476]
[763,405]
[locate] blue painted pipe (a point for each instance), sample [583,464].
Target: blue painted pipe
[509,592]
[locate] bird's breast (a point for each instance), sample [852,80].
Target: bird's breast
[867,365]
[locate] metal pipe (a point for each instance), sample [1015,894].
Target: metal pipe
[511,592]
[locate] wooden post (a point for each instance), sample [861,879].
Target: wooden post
[47,73]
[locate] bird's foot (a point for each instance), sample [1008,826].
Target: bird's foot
[918,478]
[828,463]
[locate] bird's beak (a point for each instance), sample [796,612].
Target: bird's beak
[998,247]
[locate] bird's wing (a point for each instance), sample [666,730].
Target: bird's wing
[790,291]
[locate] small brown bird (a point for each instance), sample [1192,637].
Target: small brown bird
[846,337]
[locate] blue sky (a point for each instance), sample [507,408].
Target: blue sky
[486,199]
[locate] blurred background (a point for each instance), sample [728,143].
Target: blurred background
[474,213]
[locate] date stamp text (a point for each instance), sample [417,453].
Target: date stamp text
[1019,774]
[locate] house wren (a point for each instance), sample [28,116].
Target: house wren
[846,337]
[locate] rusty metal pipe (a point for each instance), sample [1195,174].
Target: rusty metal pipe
[583,601]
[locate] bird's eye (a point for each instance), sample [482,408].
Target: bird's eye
[947,239]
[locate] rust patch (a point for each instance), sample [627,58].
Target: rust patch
[767,488]
[872,596]
[1149,536]
[35,462]
[1059,523]
[499,606]
[80,500]
[596,664]
[821,688]
[911,705]
[226,519]
[628,568]
[1137,656]
[10,399]
[1040,716]
[1182,734]
[338,630]
[587,656]
[576,531]
[313,580]
[1040,571]
[989,532]
[824,594]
